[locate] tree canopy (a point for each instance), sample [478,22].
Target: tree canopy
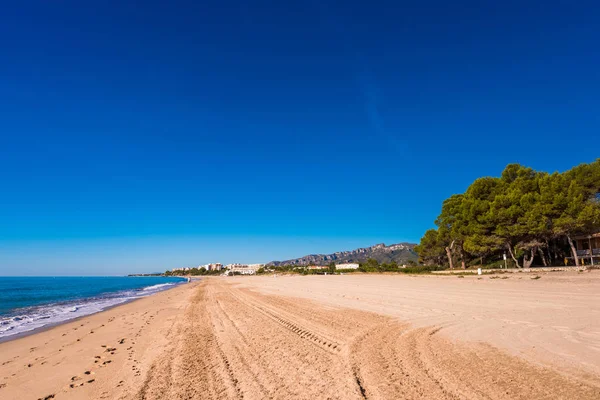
[525,213]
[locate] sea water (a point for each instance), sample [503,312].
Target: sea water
[28,303]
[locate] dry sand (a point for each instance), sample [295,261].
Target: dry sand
[318,337]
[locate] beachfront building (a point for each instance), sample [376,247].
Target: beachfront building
[211,267]
[317,267]
[214,267]
[347,266]
[588,248]
[242,270]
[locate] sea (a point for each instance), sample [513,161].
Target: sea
[30,303]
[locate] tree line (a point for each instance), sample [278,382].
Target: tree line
[370,265]
[526,214]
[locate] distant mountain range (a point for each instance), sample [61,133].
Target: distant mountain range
[401,253]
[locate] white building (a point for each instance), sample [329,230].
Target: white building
[212,266]
[346,266]
[243,269]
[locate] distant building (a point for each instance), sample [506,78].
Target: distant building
[588,247]
[317,267]
[211,267]
[346,266]
[243,270]
[214,267]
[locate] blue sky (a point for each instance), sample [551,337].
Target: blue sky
[143,138]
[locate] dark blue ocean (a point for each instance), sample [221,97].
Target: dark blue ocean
[28,303]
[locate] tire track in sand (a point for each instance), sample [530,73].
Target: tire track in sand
[303,331]
[292,364]
[395,361]
[193,366]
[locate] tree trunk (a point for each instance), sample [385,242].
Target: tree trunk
[527,263]
[541,251]
[550,259]
[512,255]
[573,250]
[462,259]
[449,255]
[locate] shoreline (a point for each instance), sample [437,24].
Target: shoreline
[19,335]
[92,349]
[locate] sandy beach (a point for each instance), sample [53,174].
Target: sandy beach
[317,337]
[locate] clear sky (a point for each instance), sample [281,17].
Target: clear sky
[139,137]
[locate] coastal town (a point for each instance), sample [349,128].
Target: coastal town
[239,269]
[251,269]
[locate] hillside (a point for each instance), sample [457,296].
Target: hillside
[400,253]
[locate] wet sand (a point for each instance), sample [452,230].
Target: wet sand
[344,337]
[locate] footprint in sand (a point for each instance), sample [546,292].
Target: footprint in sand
[74,379]
[77,378]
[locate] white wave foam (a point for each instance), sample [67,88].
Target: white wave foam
[38,317]
[50,315]
[157,287]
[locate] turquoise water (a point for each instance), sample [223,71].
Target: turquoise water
[28,303]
